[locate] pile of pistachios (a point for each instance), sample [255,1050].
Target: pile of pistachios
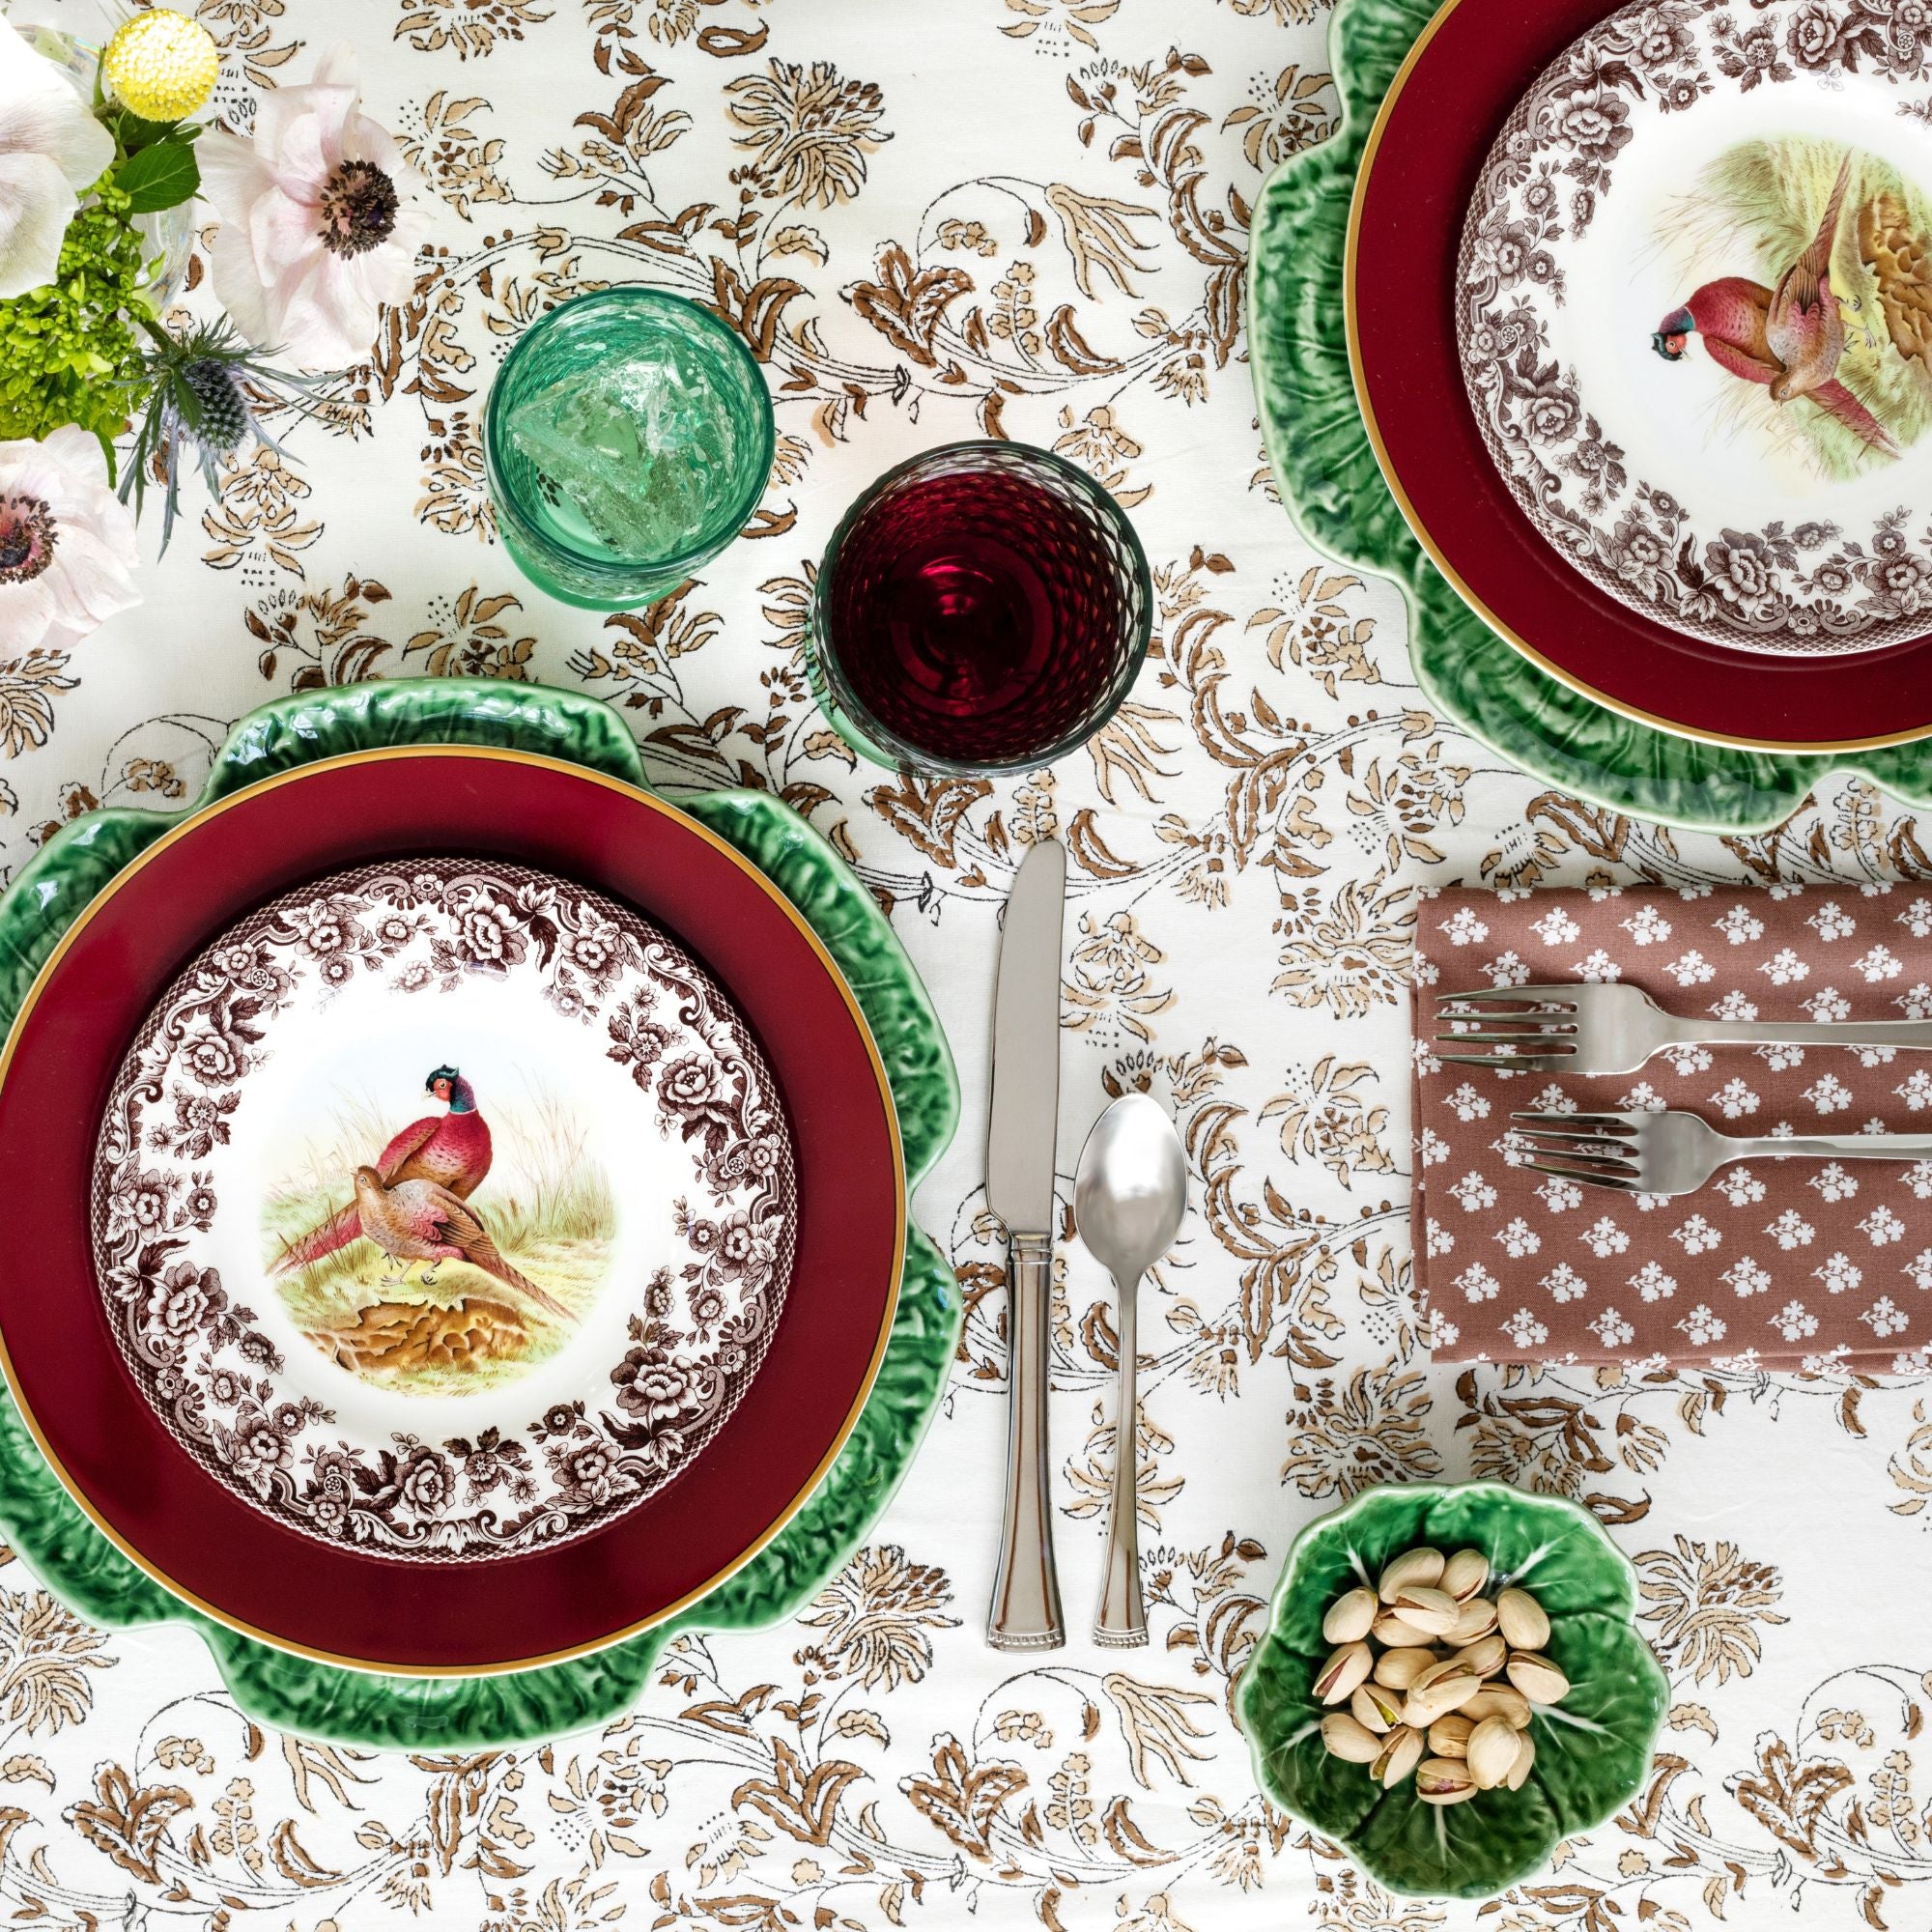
[1437,1677]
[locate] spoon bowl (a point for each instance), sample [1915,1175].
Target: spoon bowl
[1130,1196]
[1130,1192]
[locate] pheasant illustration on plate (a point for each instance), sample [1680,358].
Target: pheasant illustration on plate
[1802,337]
[451,1150]
[504,1279]
[416,1220]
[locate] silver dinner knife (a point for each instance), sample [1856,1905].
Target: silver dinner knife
[1025,1614]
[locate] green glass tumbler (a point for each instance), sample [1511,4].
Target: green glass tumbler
[628,439]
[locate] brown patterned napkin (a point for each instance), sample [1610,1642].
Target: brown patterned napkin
[1781,1264]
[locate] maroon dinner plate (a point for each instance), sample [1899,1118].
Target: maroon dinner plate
[206,1542]
[1475,60]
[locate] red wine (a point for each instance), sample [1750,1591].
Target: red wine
[984,609]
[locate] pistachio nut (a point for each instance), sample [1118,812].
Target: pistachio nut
[1449,1737]
[1493,1752]
[1422,1566]
[1348,1666]
[1346,1738]
[1478,1619]
[1431,1611]
[1400,1752]
[1400,1668]
[1397,1632]
[1349,1616]
[1443,1781]
[1377,1707]
[1537,1678]
[1486,1655]
[1525,1760]
[1521,1620]
[1444,1688]
[1498,1700]
[1464,1575]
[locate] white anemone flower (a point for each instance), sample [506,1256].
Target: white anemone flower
[51,148]
[315,236]
[66,543]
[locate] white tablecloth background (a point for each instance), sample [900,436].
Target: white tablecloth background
[1029,209]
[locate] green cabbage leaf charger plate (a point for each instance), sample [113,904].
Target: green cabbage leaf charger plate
[1334,488]
[80,1566]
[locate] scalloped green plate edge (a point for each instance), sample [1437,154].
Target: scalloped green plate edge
[1273,1652]
[296,1693]
[1335,491]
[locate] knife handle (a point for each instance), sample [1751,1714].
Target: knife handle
[1026,1592]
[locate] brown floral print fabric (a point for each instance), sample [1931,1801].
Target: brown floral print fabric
[1799,1262]
[1044,232]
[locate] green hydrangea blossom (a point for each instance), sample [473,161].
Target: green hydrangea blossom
[69,352]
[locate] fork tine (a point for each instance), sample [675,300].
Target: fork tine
[1584,1157]
[1526,1063]
[1556,1119]
[1585,1178]
[1594,1127]
[1562,996]
[1557,1039]
[1546,1140]
[1526,1020]
[1531,1018]
[1581,1157]
[1507,1015]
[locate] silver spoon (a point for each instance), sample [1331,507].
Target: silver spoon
[1128,1199]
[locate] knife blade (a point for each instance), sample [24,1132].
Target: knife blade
[1026,1045]
[1023,1119]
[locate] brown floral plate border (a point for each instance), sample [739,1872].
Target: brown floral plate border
[691,1331]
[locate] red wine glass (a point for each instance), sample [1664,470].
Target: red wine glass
[983,607]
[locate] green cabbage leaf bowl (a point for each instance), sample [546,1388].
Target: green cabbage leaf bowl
[1592,1751]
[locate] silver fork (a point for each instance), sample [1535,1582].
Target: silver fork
[1605,1027]
[1677,1153]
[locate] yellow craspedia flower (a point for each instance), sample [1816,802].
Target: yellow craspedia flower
[162,64]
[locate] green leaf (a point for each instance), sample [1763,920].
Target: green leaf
[163,175]
[1279,1711]
[1594,1747]
[1343,1550]
[135,133]
[1472,1850]
[1555,1549]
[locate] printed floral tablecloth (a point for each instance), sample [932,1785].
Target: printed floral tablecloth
[1026,216]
